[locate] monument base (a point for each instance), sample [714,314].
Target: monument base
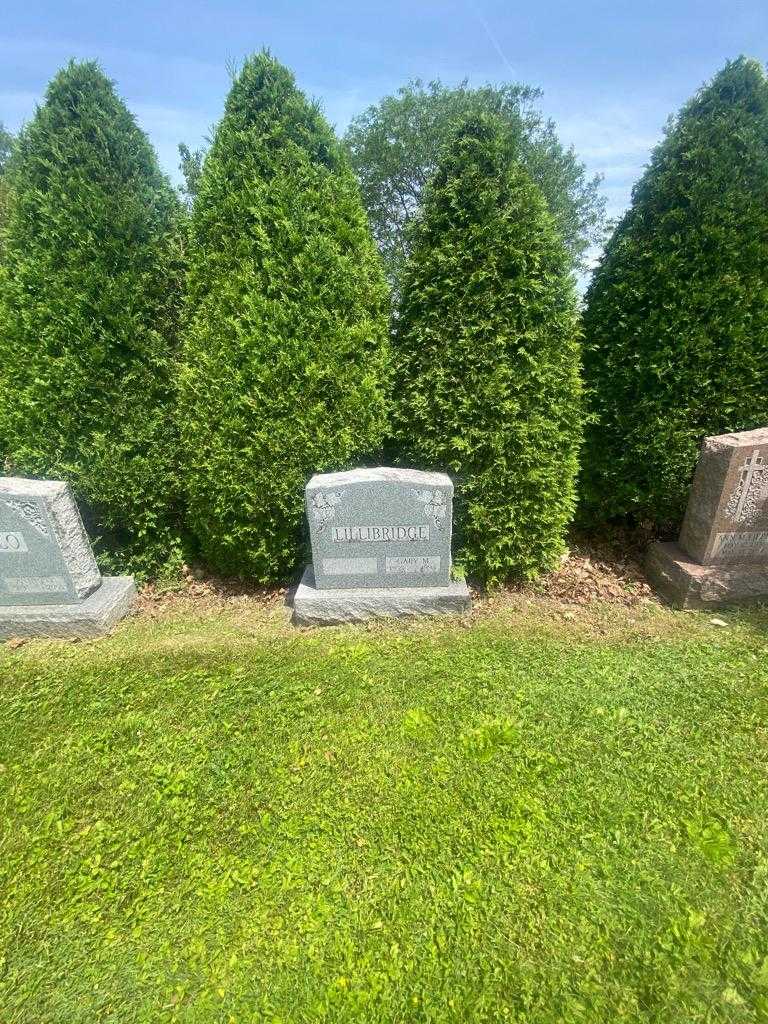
[313,607]
[94,616]
[686,584]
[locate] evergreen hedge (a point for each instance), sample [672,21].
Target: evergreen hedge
[6,145]
[486,357]
[676,324]
[89,287]
[286,352]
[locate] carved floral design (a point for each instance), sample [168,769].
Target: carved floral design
[30,511]
[435,506]
[324,507]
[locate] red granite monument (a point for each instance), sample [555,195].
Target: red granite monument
[722,555]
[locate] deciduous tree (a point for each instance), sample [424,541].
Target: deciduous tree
[395,145]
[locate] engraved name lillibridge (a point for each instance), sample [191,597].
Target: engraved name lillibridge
[377,534]
[380,527]
[381,547]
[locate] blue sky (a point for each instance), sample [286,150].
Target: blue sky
[611,72]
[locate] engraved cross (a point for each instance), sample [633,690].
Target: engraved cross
[752,464]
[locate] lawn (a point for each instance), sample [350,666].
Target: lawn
[525,817]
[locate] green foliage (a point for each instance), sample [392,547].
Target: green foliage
[286,351]
[212,819]
[88,308]
[395,145]
[676,325]
[6,145]
[191,167]
[486,357]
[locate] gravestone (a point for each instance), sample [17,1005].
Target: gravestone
[722,554]
[381,547]
[50,584]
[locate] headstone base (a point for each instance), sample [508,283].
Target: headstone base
[684,583]
[92,617]
[313,607]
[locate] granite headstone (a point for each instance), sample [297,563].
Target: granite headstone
[50,584]
[380,528]
[381,546]
[722,554]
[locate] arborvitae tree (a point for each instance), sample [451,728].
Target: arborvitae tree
[89,288]
[487,359]
[6,145]
[286,350]
[676,324]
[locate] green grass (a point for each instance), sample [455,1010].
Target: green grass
[221,819]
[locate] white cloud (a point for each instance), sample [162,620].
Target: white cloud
[606,135]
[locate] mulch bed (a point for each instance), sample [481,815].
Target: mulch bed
[607,570]
[599,570]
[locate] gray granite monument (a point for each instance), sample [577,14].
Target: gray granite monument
[722,555]
[50,584]
[381,547]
